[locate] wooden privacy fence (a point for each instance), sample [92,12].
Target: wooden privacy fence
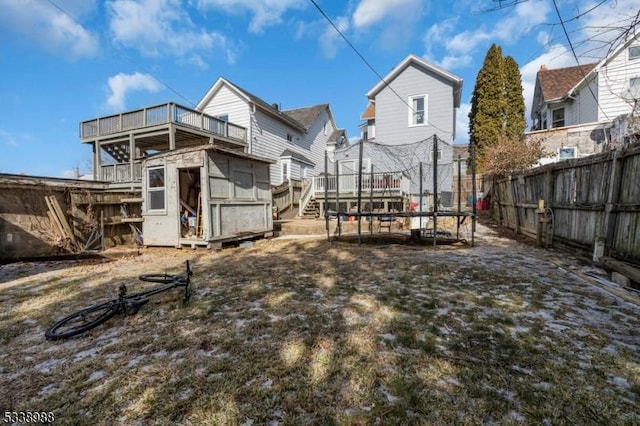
[587,202]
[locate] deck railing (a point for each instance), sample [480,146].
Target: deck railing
[120,172]
[394,183]
[161,114]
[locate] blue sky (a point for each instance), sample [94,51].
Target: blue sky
[65,61]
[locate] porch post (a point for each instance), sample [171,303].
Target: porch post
[360,193]
[435,189]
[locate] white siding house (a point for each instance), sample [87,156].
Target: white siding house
[295,139]
[576,110]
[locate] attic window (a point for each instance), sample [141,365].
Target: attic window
[634,52]
[289,137]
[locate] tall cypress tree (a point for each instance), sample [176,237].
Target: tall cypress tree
[515,122]
[486,118]
[497,104]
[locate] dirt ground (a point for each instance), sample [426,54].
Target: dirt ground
[302,331]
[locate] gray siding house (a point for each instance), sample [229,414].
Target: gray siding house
[410,110]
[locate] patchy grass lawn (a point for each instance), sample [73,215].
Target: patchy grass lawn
[307,332]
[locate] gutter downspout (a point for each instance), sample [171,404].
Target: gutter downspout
[252,112]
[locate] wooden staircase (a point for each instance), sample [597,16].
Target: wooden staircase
[311,210]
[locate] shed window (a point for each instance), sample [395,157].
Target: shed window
[634,52]
[558,118]
[418,110]
[155,189]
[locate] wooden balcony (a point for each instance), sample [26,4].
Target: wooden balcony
[122,141]
[158,115]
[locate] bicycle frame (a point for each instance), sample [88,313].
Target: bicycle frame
[129,304]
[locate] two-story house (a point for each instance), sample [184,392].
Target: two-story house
[408,128]
[580,110]
[295,139]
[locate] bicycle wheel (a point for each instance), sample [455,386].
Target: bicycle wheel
[159,278]
[82,321]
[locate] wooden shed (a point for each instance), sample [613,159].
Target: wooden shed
[204,196]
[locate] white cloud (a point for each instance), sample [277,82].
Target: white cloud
[393,20]
[48,26]
[462,123]
[265,12]
[459,48]
[14,139]
[163,28]
[121,84]
[330,39]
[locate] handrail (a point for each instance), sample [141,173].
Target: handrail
[305,196]
[161,114]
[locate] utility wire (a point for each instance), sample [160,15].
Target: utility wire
[573,51]
[129,58]
[386,84]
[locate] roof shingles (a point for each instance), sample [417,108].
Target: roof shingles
[556,83]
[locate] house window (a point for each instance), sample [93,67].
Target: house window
[289,137]
[324,129]
[565,153]
[557,117]
[285,172]
[223,117]
[418,110]
[634,52]
[439,155]
[155,189]
[634,88]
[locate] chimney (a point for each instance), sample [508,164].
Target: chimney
[543,67]
[276,106]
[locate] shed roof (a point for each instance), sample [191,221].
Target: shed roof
[211,147]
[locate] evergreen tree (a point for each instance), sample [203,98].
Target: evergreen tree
[497,105]
[515,108]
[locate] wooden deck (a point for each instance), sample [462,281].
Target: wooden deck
[122,140]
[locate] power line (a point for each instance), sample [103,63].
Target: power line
[386,84]
[129,58]
[575,55]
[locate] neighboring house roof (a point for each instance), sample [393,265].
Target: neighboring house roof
[370,112]
[296,156]
[462,151]
[556,83]
[249,97]
[429,67]
[306,116]
[337,134]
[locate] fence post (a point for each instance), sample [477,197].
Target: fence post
[514,202]
[615,180]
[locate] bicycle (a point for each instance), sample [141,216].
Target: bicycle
[127,304]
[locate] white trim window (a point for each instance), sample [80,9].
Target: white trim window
[418,110]
[634,52]
[156,189]
[286,171]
